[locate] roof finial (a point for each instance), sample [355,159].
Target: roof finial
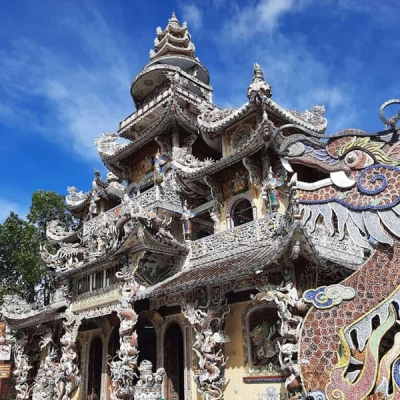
[173,19]
[259,89]
[258,74]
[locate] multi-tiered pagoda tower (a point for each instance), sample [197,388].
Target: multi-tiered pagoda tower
[186,275]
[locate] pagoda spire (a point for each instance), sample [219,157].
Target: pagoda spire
[174,39]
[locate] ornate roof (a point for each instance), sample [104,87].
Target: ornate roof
[110,189]
[226,268]
[254,143]
[174,39]
[213,120]
[20,314]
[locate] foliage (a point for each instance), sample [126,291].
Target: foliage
[46,207]
[21,270]
[20,265]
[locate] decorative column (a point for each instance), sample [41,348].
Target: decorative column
[122,370]
[290,310]
[69,379]
[209,324]
[21,369]
[49,373]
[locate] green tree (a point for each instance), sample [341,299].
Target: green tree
[20,265]
[47,206]
[21,270]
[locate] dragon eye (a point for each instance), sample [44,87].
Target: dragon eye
[358,159]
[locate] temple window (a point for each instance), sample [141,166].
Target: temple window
[240,211]
[97,280]
[111,278]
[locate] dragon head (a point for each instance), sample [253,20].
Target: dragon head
[352,175]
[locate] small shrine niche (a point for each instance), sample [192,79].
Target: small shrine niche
[262,337]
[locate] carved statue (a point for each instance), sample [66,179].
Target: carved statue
[187,214]
[69,255]
[21,370]
[264,344]
[160,227]
[150,384]
[159,161]
[74,197]
[124,365]
[107,144]
[92,209]
[208,322]
[69,379]
[215,218]
[49,371]
[270,192]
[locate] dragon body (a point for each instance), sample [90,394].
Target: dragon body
[350,349]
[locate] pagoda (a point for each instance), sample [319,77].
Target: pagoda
[193,269]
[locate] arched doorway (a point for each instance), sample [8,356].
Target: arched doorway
[94,370]
[242,212]
[174,363]
[147,341]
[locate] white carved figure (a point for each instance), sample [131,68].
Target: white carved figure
[123,366]
[208,323]
[74,197]
[107,144]
[150,383]
[21,370]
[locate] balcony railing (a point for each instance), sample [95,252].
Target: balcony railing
[237,239]
[155,197]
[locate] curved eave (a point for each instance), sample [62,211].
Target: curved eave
[165,63]
[169,48]
[35,317]
[211,129]
[185,40]
[255,144]
[173,28]
[163,98]
[185,120]
[155,129]
[228,268]
[133,243]
[147,135]
[77,206]
[289,117]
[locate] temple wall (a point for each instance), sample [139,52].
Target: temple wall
[237,369]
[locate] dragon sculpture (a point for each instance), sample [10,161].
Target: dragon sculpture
[349,347]
[209,326]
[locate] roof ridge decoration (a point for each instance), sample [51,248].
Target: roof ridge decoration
[111,187]
[259,88]
[174,39]
[107,145]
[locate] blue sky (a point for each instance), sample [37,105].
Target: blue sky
[66,68]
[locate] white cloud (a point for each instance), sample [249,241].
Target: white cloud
[376,9]
[193,15]
[82,97]
[299,76]
[260,16]
[6,206]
